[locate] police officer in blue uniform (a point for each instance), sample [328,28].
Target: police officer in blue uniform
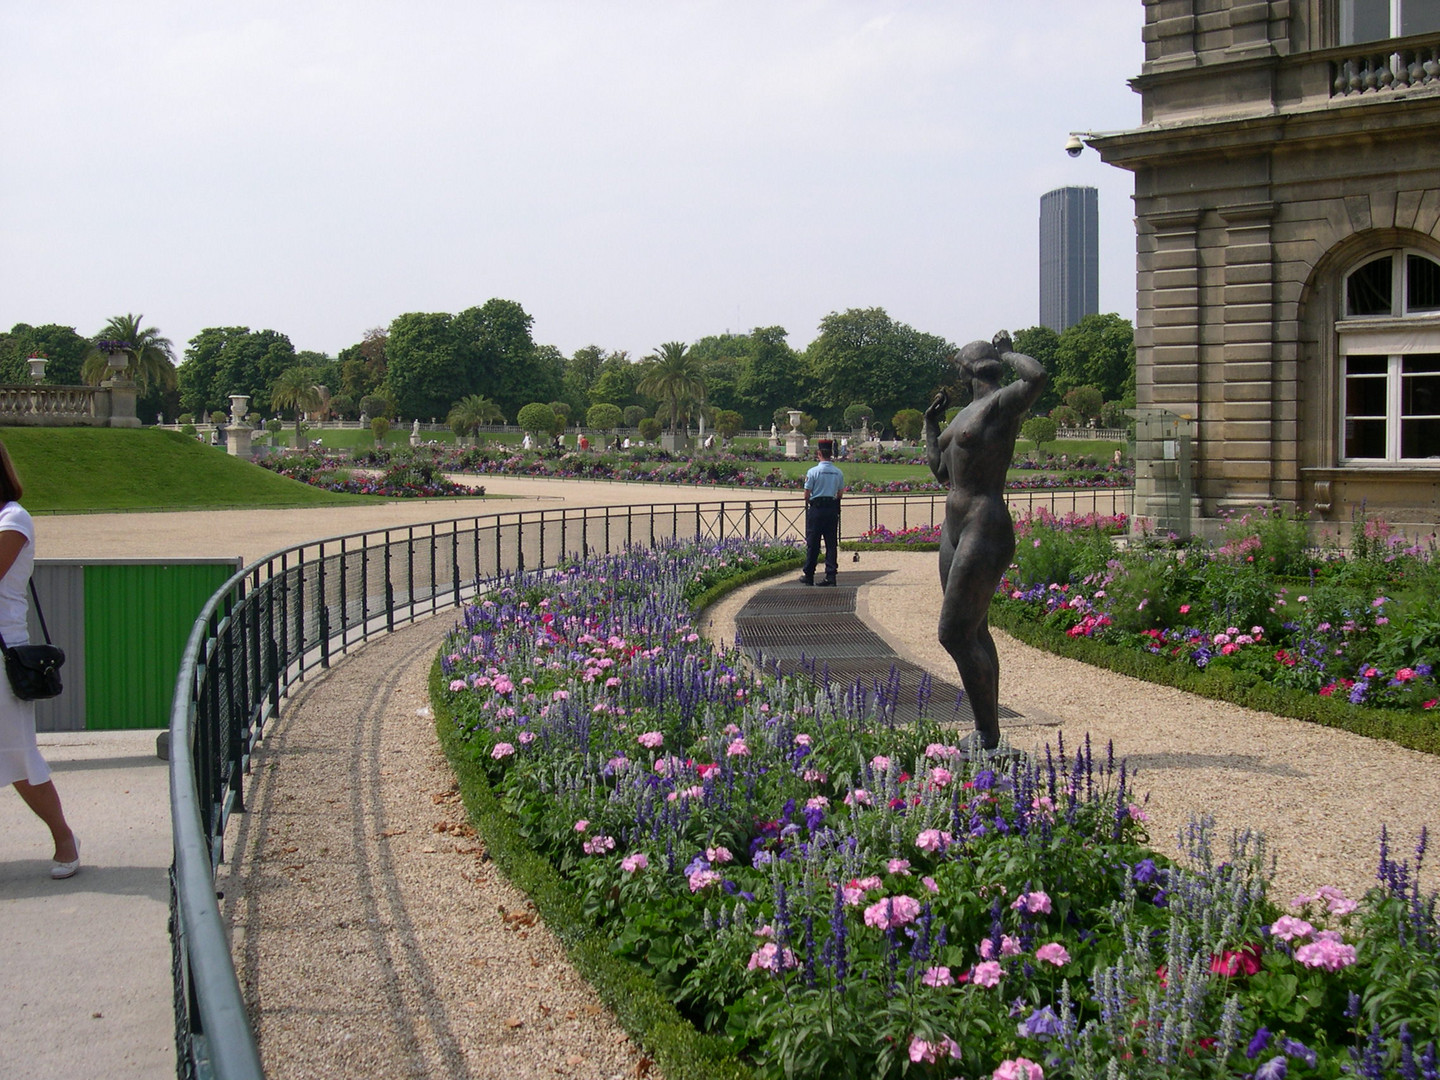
[823,486]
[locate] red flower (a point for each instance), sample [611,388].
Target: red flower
[1244,961]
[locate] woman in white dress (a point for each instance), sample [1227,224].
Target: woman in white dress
[20,760]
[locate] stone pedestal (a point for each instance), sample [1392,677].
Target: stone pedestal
[122,403]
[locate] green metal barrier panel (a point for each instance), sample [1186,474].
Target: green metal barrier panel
[138,616]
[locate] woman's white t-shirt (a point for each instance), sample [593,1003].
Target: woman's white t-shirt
[14,586]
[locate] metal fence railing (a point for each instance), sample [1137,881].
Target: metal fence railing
[294,610]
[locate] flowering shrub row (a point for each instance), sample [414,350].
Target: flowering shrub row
[1360,626]
[752,469]
[404,478]
[839,895]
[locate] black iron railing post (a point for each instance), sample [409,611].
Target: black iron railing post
[323,614]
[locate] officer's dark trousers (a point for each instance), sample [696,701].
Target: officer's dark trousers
[822,521]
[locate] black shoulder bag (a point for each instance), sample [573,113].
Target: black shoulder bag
[34,670]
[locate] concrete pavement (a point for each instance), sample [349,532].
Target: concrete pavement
[85,987]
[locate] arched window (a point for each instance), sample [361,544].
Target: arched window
[1390,359]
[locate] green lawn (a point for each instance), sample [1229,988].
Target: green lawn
[75,469]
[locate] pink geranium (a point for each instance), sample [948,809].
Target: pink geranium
[502,750]
[632,863]
[1288,928]
[987,973]
[703,879]
[1018,1069]
[1034,902]
[651,740]
[892,911]
[938,976]
[1053,953]
[932,840]
[771,957]
[1326,952]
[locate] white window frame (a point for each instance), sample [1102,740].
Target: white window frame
[1395,335]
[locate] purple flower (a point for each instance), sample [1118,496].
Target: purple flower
[1258,1043]
[1299,1050]
[1040,1024]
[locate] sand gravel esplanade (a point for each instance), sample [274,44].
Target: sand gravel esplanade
[372,939]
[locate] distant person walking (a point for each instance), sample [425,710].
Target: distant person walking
[824,484]
[20,760]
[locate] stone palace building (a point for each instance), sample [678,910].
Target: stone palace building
[1287,201]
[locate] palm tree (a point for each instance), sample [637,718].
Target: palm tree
[151,357]
[295,389]
[673,377]
[469,413]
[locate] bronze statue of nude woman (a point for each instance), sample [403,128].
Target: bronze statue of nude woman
[977,541]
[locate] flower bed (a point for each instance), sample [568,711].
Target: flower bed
[752,469]
[1358,626]
[825,893]
[404,478]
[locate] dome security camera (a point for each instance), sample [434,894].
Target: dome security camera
[1074,145]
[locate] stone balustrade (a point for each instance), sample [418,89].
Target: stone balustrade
[1389,70]
[42,405]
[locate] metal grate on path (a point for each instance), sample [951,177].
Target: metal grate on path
[792,628]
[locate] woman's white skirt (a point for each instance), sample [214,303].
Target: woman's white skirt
[19,756]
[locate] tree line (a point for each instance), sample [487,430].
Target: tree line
[482,365]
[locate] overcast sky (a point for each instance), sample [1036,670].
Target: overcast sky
[631,172]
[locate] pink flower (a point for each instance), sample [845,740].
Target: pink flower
[880,763]
[651,740]
[457,684]
[858,797]
[940,777]
[802,739]
[932,840]
[703,879]
[770,957]
[631,863]
[892,911]
[987,973]
[1053,953]
[719,855]
[929,883]
[1136,813]
[526,738]
[1405,674]
[1336,902]
[898,866]
[582,825]
[502,750]
[1288,928]
[1184,609]
[1326,953]
[599,845]
[737,749]
[1018,1069]
[938,976]
[1033,902]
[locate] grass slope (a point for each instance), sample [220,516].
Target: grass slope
[78,469]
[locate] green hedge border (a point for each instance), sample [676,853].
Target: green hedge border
[739,581]
[643,1010]
[1414,731]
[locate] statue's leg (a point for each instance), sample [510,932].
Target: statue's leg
[965,635]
